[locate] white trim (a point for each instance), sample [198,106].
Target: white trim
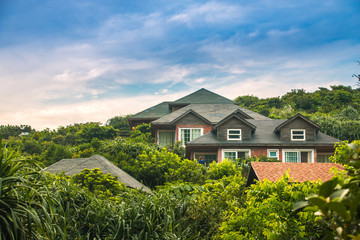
[292,134]
[179,133]
[234,150]
[298,152]
[273,150]
[235,134]
[157,135]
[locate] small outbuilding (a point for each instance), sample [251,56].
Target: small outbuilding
[76,165]
[299,172]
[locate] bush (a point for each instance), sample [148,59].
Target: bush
[267,213]
[97,182]
[338,200]
[225,168]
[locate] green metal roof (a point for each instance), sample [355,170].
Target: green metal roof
[203,96]
[154,112]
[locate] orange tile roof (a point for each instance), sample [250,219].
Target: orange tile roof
[300,172]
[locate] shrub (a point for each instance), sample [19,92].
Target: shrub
[267,213]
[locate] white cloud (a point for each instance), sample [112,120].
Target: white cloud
[100,110]
[282,33]
[268,86]
[210,12]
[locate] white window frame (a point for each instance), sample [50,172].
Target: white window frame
[179,133]
[234,134]
[273,150]
[234,150]
[292,135]
[158,135]
[298,153]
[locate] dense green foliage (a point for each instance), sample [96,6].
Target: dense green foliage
[188,200]
[7,131]
[267,213]
[335,110]
[204,202]
[338,199]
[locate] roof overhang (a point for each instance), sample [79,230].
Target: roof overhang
[234,115]
[317,127]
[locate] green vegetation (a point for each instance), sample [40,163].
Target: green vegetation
[188,200]
[217,205]
[335,110]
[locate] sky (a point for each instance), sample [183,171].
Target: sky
[65,62]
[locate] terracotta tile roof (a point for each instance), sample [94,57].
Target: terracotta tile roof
[300,172]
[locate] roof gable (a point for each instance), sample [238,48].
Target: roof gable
[300,172]
[297,116]
[203,96]
[190,111]
[76,165]
[236,115]
[214,113]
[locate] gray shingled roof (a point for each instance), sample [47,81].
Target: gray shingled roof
[295,117]
[214,113]
[76,165]
[263,136]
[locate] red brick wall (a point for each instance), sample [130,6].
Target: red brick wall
[258,151]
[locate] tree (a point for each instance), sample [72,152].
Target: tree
[94,130]
[120,123]
[338,200]
[267,213]
[97,182]
[357,76]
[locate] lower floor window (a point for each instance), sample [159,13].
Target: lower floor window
[166,138]
[208,157]
[324,158]
[234,154]
[273,153]
[298,156]
[291,157]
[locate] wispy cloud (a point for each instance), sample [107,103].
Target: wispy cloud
[210,12]
[88,61]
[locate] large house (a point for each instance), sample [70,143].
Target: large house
[214,128]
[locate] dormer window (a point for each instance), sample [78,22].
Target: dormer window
[298,134]
[234,134]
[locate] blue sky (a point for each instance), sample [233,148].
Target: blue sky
[64,62]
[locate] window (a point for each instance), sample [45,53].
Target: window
[298,134]
[166,138]
[273,153]
[324,158]
[298,156]
[291,157]
[189,134]
[235,153]
[234,134]
[208,157]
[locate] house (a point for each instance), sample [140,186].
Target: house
[76,165]
[214,128]
[299,172]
